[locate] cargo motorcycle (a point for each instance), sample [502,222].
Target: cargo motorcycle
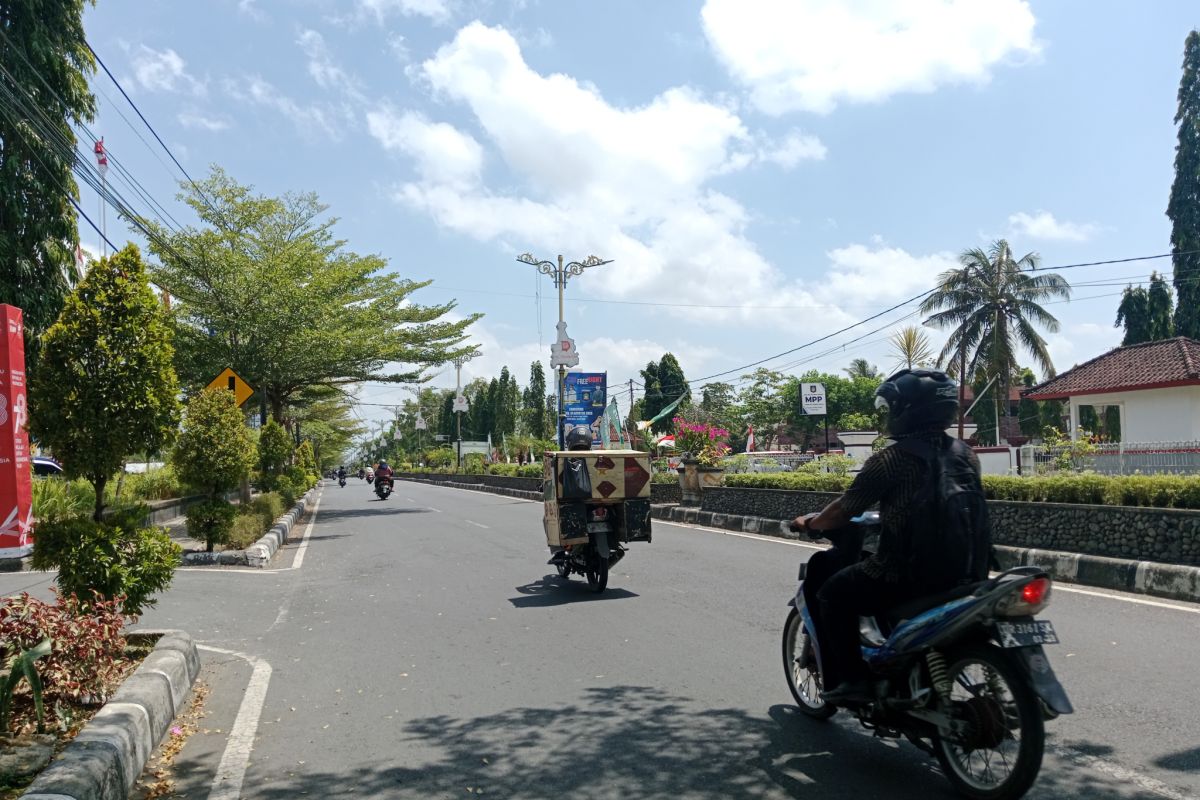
[962,675]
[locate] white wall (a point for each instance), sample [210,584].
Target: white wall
[1151,415]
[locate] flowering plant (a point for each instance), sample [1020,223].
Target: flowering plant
[701,441]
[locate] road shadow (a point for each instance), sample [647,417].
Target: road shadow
[555,591]
[335,514]
[328,536]
[1183,761]
[621,742]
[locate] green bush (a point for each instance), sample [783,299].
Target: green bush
[506,470]
[211,521]
[269,507]
[473,464]
[247,529]
[116,559]
[671,476]
[274,453]
[215,450]
[287,491]
[57,497]
[160,483]
[529,471]
[794,481]
[1155,491]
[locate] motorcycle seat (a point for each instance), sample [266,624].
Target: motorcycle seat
[912,608]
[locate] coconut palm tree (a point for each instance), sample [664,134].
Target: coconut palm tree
[861,368]
[911,347]
[992,304]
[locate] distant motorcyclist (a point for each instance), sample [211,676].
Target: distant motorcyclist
[341,473]
[920,404]
[383,472]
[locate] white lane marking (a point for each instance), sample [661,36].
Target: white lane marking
[231,772]
[298,561]
[1123,774]
[476,524]
[434,510]
[1058,586]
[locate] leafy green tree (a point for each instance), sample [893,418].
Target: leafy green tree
[274,453]
[45,55]
[1184,206]
[447,424]
[911,348]
[1159,304]
[215,450]
[861,368]
[305,458]
[843,397]
[652,397]
[106,386]
[265,287]
[992,305]
[764,404]
[1134,313]
[672,382]
[537,423]
[507,404]
[1029,416]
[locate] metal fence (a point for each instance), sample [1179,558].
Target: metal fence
[1125,458]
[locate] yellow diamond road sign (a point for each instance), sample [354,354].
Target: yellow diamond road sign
[230,380]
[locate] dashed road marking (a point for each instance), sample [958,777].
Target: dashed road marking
[231,771]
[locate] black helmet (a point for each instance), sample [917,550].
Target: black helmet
[917,399]
[383,465]
[579,438]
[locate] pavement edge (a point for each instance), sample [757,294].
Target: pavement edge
[261,552]
[104,760]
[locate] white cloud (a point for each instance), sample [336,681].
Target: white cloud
[163,71]
[251,10]
[312,120]
[436,10]
[198,119]
[809,55]
[1079,342]
[443,154]
[327,73]
[1043,225]
[793,149]
[868,276]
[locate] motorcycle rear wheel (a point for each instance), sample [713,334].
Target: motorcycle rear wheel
[1006,736]
[799,664]
[597,573]
[564,570]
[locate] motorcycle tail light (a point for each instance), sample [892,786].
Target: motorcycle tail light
[1030,599]
[600,512]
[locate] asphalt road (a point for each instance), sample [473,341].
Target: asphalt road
[424,649]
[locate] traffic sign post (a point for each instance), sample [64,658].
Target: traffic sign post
[228,379]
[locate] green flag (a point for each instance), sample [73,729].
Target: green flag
[641,426]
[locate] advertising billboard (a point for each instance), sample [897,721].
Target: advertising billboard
[585,395]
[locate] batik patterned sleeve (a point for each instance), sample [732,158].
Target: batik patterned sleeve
[870,485]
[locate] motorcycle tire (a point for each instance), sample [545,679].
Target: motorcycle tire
[564,571]
[1030,724]
[806,686]
[597,574]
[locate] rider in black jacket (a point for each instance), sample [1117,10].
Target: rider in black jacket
[920,405]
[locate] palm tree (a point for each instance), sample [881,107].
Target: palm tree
[861,368]
[911,347]
[993,306]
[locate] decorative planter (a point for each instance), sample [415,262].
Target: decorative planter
[689,482]
[711,477]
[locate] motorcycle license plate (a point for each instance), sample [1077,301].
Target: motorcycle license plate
[1026,634]
[597,527]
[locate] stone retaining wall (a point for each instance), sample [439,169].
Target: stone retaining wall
[1164,535]
[659,492]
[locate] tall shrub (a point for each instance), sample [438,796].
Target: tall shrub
[106,387]
[214,453]
[274,453]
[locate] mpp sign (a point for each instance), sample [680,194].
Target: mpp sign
[812,398]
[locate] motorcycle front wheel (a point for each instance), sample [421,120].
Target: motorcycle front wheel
[800,665]
[999,751]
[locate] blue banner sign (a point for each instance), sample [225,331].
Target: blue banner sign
[585,396]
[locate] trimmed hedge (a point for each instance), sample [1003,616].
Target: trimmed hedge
[1150,491]
[503,470]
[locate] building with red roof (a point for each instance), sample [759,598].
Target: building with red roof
[1156,386]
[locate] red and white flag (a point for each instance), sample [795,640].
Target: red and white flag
[749,438]
[101,157]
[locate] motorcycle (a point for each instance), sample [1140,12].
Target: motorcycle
[383,487]
[342,481]
[962,675]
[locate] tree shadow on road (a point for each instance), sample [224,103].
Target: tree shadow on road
[333,515]
[623,742]
[1183,761]
[552,590]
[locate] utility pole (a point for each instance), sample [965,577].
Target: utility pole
[563,353]
[102,167]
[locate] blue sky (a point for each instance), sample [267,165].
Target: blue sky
[783,169]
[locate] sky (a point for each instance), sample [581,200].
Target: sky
[761,173]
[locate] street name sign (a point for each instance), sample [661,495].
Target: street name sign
[229,379]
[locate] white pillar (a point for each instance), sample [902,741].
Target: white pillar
[1074,419]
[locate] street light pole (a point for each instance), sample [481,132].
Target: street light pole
[560,272]
[458,408]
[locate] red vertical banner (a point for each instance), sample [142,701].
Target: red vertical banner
[16,482]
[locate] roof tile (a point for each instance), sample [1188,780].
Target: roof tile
[1165,362]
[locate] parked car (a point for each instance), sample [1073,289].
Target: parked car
[43,466]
